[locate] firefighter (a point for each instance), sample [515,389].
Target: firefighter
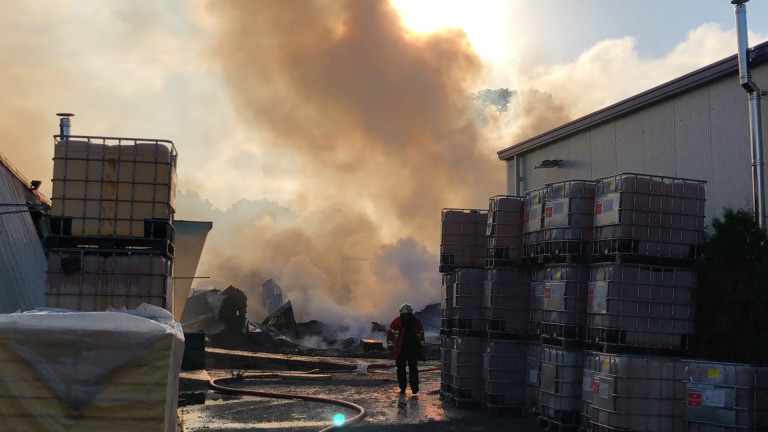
[405,342]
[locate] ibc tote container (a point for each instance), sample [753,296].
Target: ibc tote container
[92,280]
[506,295]
[468,299]
[565,301]
[463,241]
[649,216]
[504,373]
[639,393]
[121,187]
[725,397]
[568,216]
[641,305]
[466,369]
[560,388]
[505,230]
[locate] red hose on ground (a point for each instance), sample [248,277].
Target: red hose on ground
[240,377]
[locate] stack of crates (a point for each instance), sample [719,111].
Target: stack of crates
[485,306]
[648,232]
[647,235]
[111,232]
[463,249]
[507,300]
[562,320]
[722,397]
[461,336]
[607,267]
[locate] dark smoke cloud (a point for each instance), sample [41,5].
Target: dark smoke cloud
[385,131]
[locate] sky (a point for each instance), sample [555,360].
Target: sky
[314,130]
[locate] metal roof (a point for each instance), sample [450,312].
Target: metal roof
[697,78]
[22,258]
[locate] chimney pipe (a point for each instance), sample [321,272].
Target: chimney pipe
[65,124]
[753,92]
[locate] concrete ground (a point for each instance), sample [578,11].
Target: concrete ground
[377,391]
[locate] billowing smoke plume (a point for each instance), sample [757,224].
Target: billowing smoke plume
[381,123]
[355,131]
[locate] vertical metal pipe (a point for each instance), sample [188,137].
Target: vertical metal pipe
[65,125]
[758,188]
[753,91]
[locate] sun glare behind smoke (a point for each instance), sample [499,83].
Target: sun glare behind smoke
[481,20]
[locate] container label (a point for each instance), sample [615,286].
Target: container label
[596,387]
[605,391]
[713,398]
[533,376]
[694,399]
[706,395]
[556,214]
[554,296]
[606,210]
[713,373]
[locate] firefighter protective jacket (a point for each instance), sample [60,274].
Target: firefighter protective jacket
[396,335]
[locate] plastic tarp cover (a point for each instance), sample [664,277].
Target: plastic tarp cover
[76,371]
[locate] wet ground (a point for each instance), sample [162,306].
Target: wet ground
[376,390]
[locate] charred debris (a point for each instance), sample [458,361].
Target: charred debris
[221,316]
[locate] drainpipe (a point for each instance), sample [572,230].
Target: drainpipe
[754,93]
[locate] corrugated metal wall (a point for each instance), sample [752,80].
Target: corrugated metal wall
[22,258]
[702,134]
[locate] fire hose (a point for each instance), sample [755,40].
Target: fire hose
[241,377]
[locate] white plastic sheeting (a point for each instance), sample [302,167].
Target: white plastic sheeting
[84,371]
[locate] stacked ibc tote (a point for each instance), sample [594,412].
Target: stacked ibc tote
[485,296]
[558,233]
[582,312]
[111,226]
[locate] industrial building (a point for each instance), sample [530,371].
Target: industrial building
[696,126]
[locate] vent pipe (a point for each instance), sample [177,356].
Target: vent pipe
[753,92]
[65,125]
